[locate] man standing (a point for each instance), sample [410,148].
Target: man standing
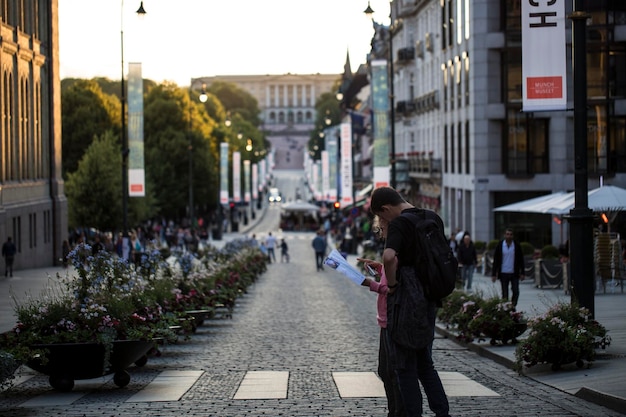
[468,259]
[401,249]
[319,246]
[270,242]
[508,266]
[8,252]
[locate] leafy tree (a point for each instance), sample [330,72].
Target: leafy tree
[94,190]
[87,112]
[326,107]
[173,122]
[237,100]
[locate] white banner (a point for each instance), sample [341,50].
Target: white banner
[236,177]
[136,168]
[543,55]
[224,195]
[255,181]
[325,175]
[346,164]
[246,181]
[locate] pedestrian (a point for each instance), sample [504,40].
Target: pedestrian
[412,366]
[453,244]
[284,251]
[468,260]
[508,266]
[264,252]
[8,252]
[270,242]
[319,245]
[385,369]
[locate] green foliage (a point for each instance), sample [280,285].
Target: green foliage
[498,319]
[458,309]
[492,244]
[480,245]
[94,189]
[527,248]
[549,252]
[87,112]
[236,101]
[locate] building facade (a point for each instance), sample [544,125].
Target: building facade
[459,129]
[287,104]
[33,208]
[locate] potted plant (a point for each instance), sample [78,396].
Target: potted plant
[498,320]
[94,323]
[457,311]
[566,333]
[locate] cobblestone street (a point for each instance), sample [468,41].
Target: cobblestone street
[310,325]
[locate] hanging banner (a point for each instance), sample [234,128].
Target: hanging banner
[333,160]
[255,181]
[236,177]
[346,164]
[246,181]
[136,168]
[224,196]
[543,56]
[262,173]
[325,175]
[380,122]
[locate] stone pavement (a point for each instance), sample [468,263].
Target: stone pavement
[300,343]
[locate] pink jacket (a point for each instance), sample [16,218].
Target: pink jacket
[381,303]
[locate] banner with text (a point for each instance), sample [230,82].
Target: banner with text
[543,56]
[380,122]
[136,168]
[346,164]
[236,177]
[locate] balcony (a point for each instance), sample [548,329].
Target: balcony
[405,107]
[423,165]
[405,55]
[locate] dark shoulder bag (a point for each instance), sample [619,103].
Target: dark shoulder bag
[407,312]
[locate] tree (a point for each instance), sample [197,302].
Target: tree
[237,100]
[87,112]
[94,190]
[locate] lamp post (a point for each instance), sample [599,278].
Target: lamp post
[581,217]
[203,98]
[125,151]
[369,12]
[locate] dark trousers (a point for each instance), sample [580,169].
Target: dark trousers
[417,367]
[388,376]
[319,260]
[513,280]
[8,271]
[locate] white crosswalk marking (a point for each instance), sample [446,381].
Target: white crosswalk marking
[263,385]
[168,386]
[256,385]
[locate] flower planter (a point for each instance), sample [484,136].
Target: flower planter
[198,317]
[66,362]
[505,335]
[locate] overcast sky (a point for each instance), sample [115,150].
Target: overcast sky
[183,39]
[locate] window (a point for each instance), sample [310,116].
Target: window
[525,145]
[617,143]
[467,148]
[445,148]
[466,80]
[459,147]
[452,164]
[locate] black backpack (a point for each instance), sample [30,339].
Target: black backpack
[436,265]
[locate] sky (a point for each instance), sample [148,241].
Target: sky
[178,40]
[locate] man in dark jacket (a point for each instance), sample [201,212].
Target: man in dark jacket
[466,254]
[8,251]
[508,266]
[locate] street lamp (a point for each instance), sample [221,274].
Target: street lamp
[369,12]
[125,238]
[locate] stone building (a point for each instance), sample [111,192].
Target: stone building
[459,129]
[287,104]
[33,208]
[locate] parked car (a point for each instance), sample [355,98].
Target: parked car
[274,196]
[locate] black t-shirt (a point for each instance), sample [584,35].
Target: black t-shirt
[401,235]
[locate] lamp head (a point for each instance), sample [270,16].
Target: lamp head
[141,11]
[369,12]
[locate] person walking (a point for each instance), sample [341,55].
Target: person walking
[385,369]
[319,246]
[412,366]
[270,243]
[468,260]
[8,252]
[508,266]
[284,251]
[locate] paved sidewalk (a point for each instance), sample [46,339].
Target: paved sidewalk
[603,381]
